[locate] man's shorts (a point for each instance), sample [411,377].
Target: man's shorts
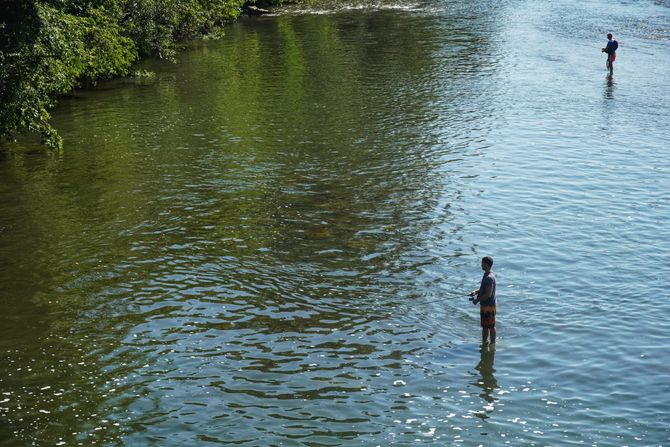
[612,57]
[487,316]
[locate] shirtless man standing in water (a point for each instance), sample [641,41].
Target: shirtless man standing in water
[485,296]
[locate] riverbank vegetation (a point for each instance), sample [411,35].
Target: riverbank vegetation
[49,47]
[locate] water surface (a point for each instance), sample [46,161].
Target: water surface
[269,242]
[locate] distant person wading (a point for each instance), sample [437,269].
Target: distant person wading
[610,49]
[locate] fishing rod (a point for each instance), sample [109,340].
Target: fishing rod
[442,299]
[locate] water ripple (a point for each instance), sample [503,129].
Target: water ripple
[272,242]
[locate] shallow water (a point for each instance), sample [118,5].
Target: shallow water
[269,242]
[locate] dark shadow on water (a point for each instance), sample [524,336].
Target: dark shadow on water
[488,382]
[610,85]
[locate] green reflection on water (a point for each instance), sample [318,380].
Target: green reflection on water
[273,183]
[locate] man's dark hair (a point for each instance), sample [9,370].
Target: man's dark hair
[488,260]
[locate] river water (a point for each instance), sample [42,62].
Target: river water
[270,242]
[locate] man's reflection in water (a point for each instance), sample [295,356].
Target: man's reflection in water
[609,87]
[488,381]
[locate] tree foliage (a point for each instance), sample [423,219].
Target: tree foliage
[49,47]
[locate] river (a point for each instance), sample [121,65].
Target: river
[269,242]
